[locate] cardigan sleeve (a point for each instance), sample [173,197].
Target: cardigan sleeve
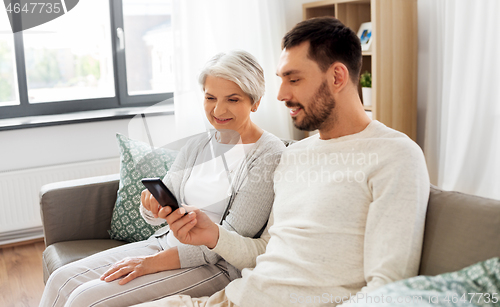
[172,180]
[249,212]
[149,218]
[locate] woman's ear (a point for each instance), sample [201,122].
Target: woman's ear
[340,75]
[255,106]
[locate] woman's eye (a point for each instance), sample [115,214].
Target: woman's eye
[209,98]
[233,100]
[294,80]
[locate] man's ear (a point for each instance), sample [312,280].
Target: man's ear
[340,75]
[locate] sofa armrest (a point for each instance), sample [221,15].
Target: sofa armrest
[78,209]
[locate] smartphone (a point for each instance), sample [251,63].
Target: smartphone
[161,192]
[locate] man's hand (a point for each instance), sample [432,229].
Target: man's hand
[195,228]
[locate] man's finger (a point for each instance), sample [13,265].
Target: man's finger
[182,233]
[177,219]
[175,216]
[185,224]
[189,208]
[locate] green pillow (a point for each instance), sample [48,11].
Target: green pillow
[476,285]
[137,160]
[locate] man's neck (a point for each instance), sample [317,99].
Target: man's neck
[348,118]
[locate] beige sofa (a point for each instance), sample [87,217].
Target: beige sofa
[460,229]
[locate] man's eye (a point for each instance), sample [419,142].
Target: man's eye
[209,98]
[294,80]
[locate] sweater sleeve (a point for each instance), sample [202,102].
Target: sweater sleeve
[242,252]
[396,217]
[248,214]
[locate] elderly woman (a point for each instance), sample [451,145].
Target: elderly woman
[227,174]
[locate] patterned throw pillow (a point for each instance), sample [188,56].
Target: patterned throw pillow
[137,160]
[475,285]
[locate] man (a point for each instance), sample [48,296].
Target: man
[349,210]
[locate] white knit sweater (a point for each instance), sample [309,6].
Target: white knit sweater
[348,216]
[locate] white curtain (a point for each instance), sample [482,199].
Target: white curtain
[203,28]
[459,93]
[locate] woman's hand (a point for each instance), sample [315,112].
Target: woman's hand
[195,228]
[150,203]
[133,267]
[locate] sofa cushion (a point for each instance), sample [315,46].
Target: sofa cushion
[460,230]
[61,253]
[476,285]
[137,160]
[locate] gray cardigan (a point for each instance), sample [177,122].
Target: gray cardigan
[248,206]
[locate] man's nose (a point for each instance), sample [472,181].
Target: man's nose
[284,93]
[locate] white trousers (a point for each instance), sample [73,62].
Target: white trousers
[77,284]
[219,299]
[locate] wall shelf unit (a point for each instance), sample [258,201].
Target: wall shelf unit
[392,58]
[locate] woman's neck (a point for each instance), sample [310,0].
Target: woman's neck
[250,134]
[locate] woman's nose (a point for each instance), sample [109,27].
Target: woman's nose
[220,108]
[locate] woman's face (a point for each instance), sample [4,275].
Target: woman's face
[226,105]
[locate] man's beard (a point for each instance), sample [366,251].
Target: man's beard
[319,109]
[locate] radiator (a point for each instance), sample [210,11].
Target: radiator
[19,195]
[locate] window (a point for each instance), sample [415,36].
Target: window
[71,58]
[8,77]
[149,55]
[99,55]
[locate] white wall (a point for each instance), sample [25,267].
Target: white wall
[35,147]
[44,146]
[293,12]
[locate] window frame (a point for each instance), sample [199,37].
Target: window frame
[120,100]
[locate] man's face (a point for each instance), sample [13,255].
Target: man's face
[304,89]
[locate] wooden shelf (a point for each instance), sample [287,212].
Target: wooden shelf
[392,58]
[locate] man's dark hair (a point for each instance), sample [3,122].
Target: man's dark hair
[330,41]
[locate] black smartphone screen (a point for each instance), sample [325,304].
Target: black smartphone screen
[161,192]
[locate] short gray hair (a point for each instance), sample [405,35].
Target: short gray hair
[239,67]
